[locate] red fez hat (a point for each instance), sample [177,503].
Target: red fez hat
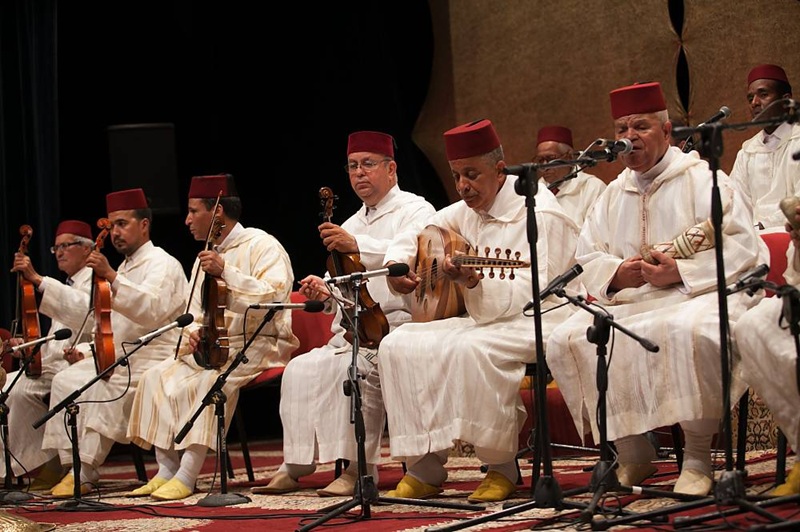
[470,140]
[126,200]
[767,72]
[74,227]
[209,186]
[555,134]
[372,142]
[637,99]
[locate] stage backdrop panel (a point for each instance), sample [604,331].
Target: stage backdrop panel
[527,64]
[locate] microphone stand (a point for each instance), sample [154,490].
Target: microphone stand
[217,397]
[72,408]
[9,495]
[604,476]
[729,489]
[366,492]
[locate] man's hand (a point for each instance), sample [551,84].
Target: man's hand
[315,288]
[629,274]
[99,263]
[664,273]
[211,262]
[194,340]
[334,238]
[72,355]
[23,265]
[404,284]
[461,275]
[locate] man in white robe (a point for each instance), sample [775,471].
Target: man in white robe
[764,170]
[458,378]
[769,356]
[67,305]
[671,302]
[254,268]
[314,410]
[148,290]
[578,194]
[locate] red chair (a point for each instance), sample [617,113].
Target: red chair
[313,329]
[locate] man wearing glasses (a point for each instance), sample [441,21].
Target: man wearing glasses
[314,410]
[65,303]
[577,194]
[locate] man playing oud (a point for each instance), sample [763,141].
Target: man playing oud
[458,378]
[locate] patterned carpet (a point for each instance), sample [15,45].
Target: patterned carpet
[108,509]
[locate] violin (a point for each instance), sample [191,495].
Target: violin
[372,323]
[212,351]
[27,315]
[104,351]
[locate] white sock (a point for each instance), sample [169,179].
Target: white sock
[697,435]
[507,469]
[297,470]
[191,463]
[89,474]
[429,468]
[635,449]
[169,461]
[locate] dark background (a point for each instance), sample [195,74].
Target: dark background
[268,94]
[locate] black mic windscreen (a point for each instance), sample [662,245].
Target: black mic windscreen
[185,320]
[312,305]
[62,334]
[398,269]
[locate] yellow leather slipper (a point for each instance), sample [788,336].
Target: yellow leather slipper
[495,487]
[411,488]
[147,489]
[172,490]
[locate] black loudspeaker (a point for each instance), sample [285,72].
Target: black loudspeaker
[143,156]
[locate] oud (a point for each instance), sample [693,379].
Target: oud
[436,296]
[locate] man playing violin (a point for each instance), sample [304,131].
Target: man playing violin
[253,268]
[314,410]
[64,303]
[148,290]
[458,378]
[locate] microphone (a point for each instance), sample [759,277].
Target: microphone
[557,284]
[311,305]
[617,147]
[395,270]
[759,271]
[724,112]
[61,334]
[182,321]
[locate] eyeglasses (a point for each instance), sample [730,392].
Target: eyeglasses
[368,165]
[62,247]
[550,158]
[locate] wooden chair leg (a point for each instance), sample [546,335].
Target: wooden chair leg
[780,464]
[677,444]
[248,464]
[138,462]
[741,437]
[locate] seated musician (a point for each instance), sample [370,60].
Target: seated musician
[770,358]
[148,290]
[578,194]
[458,378]
[314,410]
[254,268]
[66,304]
[666,297]
[765,171]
